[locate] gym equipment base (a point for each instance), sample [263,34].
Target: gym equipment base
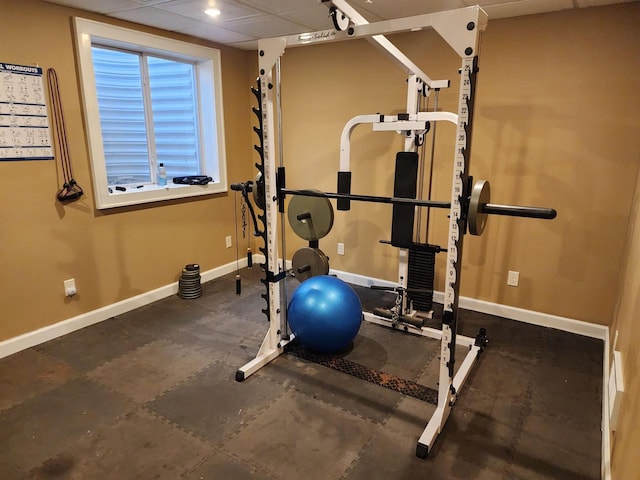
[371,375]
[414,328]
[476,347]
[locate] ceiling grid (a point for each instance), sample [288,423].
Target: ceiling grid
[242,22]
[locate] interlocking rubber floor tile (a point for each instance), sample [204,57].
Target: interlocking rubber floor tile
[28,373]
[148,371]
[138,446]
[212,404]
[300,437]
[49,423]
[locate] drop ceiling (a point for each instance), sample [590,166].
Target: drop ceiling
[242,22]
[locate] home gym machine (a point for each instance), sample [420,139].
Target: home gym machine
[468,207]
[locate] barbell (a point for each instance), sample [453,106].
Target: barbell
[478,207]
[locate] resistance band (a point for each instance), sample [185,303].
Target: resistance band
[70,189]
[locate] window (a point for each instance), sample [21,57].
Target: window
[149,100]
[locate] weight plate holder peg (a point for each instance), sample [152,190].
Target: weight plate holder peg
[311,218]
[480,196]
[309,262]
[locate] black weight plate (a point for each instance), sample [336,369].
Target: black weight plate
[309,262]
[311,218]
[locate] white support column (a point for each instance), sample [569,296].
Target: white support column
[271,207]
[414,86]
[457,224]
[270,50]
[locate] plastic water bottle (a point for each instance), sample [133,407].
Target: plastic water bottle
[162,175]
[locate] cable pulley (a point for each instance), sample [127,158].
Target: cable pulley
[339,19]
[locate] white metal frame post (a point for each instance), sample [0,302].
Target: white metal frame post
[272,345]
[461,30]
[448,388]
[414,84]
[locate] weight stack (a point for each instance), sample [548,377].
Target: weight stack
[189,285]
[422,260]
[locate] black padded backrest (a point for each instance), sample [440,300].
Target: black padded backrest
[405,185]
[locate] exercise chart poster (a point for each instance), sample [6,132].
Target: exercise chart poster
[24,124]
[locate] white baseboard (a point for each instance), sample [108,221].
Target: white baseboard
[513,313]
[361,280]
[565,324]
[605,472]
[44,334]
[570,325]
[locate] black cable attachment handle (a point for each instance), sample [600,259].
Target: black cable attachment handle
[245,188]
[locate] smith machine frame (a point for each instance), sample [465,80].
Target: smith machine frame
[468,207]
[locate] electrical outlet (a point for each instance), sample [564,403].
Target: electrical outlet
[228,241]
[513,279]
[340,248]
[70,287]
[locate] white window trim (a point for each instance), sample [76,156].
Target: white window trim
[209,81]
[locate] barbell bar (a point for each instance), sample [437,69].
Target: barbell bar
[479,205]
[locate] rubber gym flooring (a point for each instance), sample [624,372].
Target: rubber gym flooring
[151,395]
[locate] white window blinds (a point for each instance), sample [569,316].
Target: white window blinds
[145,123]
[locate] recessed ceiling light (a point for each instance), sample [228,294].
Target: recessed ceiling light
[212,12]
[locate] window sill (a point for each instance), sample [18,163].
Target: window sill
[113,198]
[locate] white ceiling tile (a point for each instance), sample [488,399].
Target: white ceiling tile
[387,9]
[216,34]
[265,26]
[249,45]
[148,3]
[317,18]
[155,18]
[280,6]
[369,15]
[195,9]
[244,20]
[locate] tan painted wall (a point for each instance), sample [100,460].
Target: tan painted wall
[112,255]
[556,125]
[626,439]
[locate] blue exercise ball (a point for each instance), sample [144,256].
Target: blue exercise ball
[325,314]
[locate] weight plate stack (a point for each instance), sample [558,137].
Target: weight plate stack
[189,285]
